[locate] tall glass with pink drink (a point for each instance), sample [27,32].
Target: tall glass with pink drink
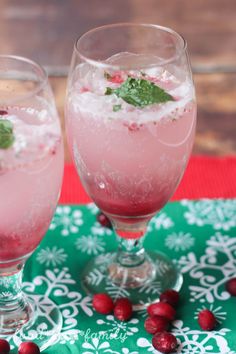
[131,116]
[31,168]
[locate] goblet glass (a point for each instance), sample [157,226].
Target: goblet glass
[130,118]
[31,168]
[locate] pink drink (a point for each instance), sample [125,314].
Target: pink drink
[130,161]
[30,178]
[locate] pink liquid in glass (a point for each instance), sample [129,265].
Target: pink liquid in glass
[132,160]
[30,179]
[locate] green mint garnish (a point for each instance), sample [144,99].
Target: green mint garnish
[107,75]
[6,134]
[109,91]
[116,107]
[140,92]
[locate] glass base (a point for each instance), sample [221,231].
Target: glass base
[142,283]
[30,322]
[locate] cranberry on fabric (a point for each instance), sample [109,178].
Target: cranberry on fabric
[103,303]
[4,346]
[156,324]
[170,296]
[103,220]
[207,320]
[165,342]
[231,286]
[28,348]
[162,309]
[123,309]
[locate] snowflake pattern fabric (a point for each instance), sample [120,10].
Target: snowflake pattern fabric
[51,256]
[199,235]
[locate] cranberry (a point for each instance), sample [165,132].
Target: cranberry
[170,296]
[231,286]
[4,346]
[156,324]
[123,309]
[162,309]
[116,79]
[103,220]
[28,348]
[103,303]
[165,342]
[133,127]
[3,113]
[207,320]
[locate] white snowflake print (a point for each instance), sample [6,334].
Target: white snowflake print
[69,220]
[51,256]
[129,328]
[220,214]
[179,241]
[55,283]
[211,287]
[219,314]
[116,291]
[161,220]
[151,288]
[91,245]
[96,347]
[105,258]
[100,230]
[8,283]
[93,208]
[5,294]
[193,341]
[124,351]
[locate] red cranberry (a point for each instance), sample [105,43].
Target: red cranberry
[156,324]
[116,79]
[4,346]
[103,303]
[206,320]
[123,309]
[231,286]
[3,113]
[170,296]
[103,220]
[28,348]
[165,342]
[162,309]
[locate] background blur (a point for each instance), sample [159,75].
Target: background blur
[45,31]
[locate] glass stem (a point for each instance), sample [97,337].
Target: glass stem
[130,237]
[131,252]
[131,266]
[14,309]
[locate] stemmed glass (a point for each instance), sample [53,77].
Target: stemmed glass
[31,168]
[130,119]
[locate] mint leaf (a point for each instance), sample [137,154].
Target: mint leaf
[109,91]
[6,134]
[116,107]
[140,92]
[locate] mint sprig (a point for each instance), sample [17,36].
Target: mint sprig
[6,134]
[140,92]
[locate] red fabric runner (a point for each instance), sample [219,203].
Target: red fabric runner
[205,177]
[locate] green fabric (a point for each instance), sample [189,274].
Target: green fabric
[199,235]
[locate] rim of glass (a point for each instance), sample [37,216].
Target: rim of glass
[103,64]
[42,71]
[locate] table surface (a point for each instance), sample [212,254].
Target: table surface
[208,26]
